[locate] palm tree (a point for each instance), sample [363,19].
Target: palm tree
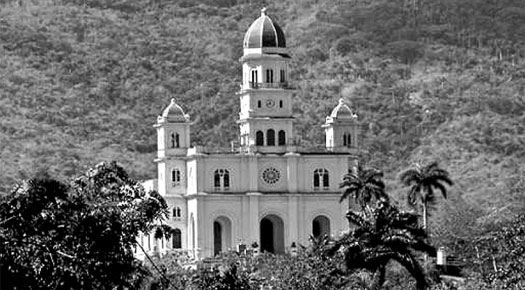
[380,236]
[363,183]
[422,181]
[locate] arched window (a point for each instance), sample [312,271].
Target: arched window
[259,138]
[269,76]
[221,179]
[175,177]
[177,138]
[344,139]
[254,78]
[282,138]
[259,104]
[283,76]
[176,239]
[321,179]
[270,137]
[217,180]
[177,212]
[349,140]
[172,140]
[280,103]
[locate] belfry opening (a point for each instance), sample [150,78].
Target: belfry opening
[272,234]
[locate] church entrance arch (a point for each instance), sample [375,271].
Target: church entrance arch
[320,226]
[272,234]
[222,235]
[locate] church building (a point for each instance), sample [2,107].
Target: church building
[268,190]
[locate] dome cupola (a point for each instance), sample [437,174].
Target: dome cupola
[341,112]
[173,113]
[264,36]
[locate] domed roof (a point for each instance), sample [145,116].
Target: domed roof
[264,33]
[341,112]
[173,113]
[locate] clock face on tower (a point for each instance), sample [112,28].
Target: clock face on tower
[270,103]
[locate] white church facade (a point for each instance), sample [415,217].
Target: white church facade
[269,190]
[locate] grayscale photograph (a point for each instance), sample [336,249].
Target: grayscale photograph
[262,144]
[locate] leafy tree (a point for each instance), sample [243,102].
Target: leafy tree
[363,184]
[500,255]
[381,236]
[422,181]
[80,235]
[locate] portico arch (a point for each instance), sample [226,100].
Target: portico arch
[272,234]
[320,226]
[222,235]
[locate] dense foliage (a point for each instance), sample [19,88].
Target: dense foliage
[500,256]
[308,269]
[382,235]
[81,235]
[83,81]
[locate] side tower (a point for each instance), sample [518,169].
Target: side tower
[341,129]
[265,119]
[173,141]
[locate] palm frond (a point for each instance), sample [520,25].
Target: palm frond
[441,188]
[433,165]
[444,178]
[357,218]
[345,195]
[412,265]
[409,176]
[412,195]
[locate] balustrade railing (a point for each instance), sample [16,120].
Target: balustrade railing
[277,85]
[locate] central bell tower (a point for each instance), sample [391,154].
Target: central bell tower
[265,119]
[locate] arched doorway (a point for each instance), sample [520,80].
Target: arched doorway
[176,239]
[222,235]
[272,234]
[320,226]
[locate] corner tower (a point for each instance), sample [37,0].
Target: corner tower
[341,128]
[173,141]
[265,120]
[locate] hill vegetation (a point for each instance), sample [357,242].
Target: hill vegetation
[83,81]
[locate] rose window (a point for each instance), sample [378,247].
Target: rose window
[271,175]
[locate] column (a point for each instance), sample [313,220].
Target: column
[253,223]
[293,222]
[292,172]
[253,173]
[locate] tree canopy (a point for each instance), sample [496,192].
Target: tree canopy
[77,235]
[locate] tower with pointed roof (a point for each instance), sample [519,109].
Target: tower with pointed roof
[269,190]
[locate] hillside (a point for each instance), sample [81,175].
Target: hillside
[83,81]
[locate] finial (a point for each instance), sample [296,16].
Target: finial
[173,100]
[263,11]
[341,101]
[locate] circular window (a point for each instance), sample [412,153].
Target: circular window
[271,175]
